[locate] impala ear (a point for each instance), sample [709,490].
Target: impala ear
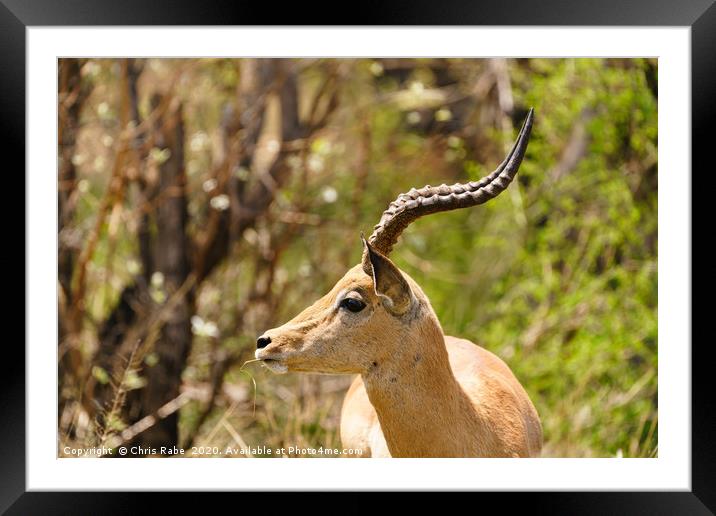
[389,283]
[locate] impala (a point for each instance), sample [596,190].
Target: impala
[418,393]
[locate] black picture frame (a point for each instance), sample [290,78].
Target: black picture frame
[700,15]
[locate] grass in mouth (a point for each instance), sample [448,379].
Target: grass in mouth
[253,380]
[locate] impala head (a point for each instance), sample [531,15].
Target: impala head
[372,311]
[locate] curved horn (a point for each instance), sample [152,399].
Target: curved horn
[432,199]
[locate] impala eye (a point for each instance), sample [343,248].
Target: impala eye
[352,304]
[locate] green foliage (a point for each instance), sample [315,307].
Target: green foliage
[561,279]
[557,276]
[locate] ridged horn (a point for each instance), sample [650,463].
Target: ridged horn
[432,199]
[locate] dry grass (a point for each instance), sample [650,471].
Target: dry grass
[298,411]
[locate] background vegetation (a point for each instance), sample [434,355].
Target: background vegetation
[202,201]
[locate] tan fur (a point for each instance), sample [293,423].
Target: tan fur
[418,393]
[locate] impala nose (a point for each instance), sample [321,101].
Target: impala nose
[262,342]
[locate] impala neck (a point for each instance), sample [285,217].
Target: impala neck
[421,408]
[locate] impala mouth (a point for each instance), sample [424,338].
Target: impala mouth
[274,364]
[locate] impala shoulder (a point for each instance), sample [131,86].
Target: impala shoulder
[466,356]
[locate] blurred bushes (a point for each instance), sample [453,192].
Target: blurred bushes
[558,276]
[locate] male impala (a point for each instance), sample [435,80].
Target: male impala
[419,393]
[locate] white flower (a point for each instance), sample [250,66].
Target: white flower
[103,109]
[315,163]
[251,236]
[305,269]
[133,266]
[209,185]
[220,202]
[417,87]
[413,117]
[91,68]
[203,328]
[281,275]
[273,145]
[329,194]
[157,279]
[199,141]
